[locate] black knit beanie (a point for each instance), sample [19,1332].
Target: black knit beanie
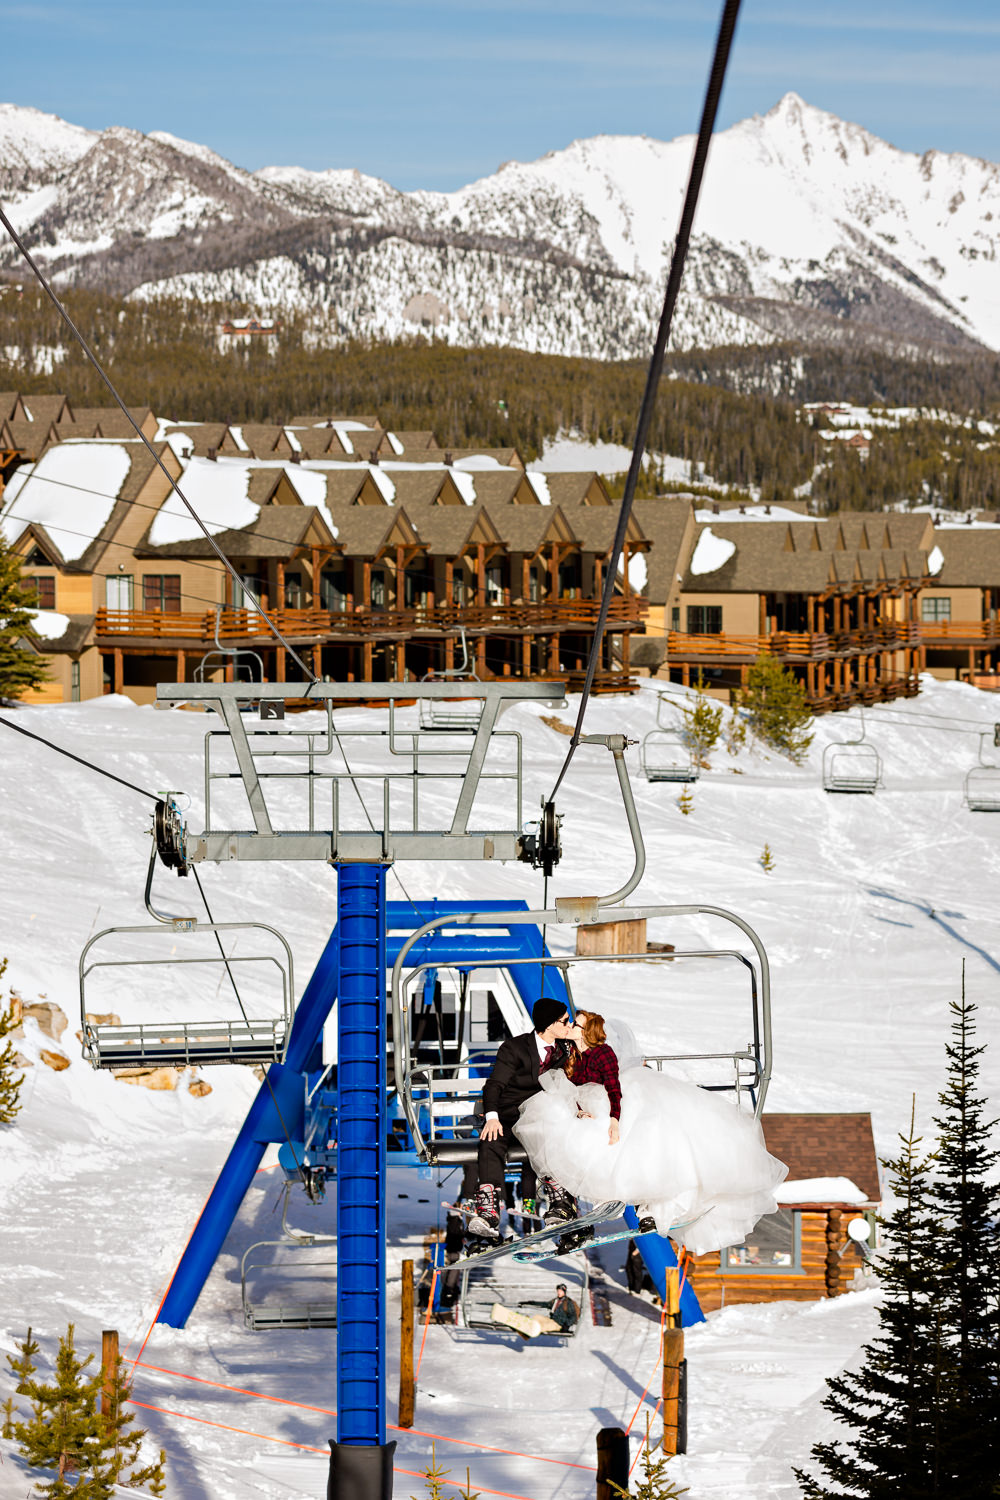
[545,1011]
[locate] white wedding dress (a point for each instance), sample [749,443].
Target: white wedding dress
[690,1157]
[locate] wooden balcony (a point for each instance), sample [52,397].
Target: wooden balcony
[315,625]
[792,646]
[959,632]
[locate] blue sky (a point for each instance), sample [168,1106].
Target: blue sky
[436,94]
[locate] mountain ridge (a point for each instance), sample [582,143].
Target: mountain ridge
[809,227]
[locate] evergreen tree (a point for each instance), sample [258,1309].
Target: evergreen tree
[19,669]
[703,722]
[891,1403]
[654,1482]
[766,859]
[23,1367]
[686,801]
[10,1080]
[968,1252]
[777,712]
[66,1432]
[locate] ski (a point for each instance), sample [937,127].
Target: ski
[542,1238]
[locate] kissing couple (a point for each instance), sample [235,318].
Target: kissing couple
[597,1124]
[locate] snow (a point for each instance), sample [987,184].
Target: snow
[540,485]
[311,490]
[466,487]
[871,907]
[218,494]
[637,571]
[239,439]
[711,552]
[935,560]
[71,491]
[49,624]
[394,443]
[756,513]
[820,1190]
[384,484]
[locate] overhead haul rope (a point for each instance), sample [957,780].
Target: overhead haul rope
[723,42]
[130,786]
[92,357]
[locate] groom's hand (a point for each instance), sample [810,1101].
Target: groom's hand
[491,1130]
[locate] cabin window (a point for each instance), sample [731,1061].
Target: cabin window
[536,584]
[774,1246]
[377,591]
[704,619]
[74,681]
[44,590]
[494,583]
[458,588]
[161,593]
[119,589]
[675,617]
[248,585]
[414,588]
[570,578]
[932,610]
[295,594]
[333,590]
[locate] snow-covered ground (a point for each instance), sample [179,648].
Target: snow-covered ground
[871,907]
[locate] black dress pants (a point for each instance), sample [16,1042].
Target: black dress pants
[493,1160]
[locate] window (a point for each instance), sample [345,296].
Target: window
[494,583]
[935,609]
[458,589]
[44,590]
[295,595]
[333,590]
[377,592]
[675,617]
[704,619]
[74,681]
[570,578]
[776,1244]
[536,586]
[414,588]
[248,581]
[118,591]
[161,593]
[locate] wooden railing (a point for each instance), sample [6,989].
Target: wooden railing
[960,631]
[795,645]
[244,624]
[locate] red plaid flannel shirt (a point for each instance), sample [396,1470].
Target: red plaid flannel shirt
[600,1065]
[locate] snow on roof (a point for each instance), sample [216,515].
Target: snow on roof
[466,487]
[310,487]
[820,1190]
[49,624]
[540,485]
[217,491]
[290,435]
[935,560]
[637,571]
[711,552]
[386,487]
[344,440]
[394,442]
[476,461]
[71,491]
[239,439]
[755,513]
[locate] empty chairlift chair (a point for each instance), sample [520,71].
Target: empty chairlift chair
[290,1283]
[852,765]
[982,781]
[665,754]
[252,1017]
[436,713]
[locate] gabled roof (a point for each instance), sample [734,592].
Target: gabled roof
[825,1145]
[971,558]
[669,525]
[581,488]
[11,407]
[365,529]
[278,532]
[526,528]
[47,409]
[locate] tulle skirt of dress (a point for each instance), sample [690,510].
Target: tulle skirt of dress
[687,1155]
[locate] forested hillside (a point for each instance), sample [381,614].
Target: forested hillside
[732,412]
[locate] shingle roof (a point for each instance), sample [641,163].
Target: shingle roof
[825,1145]
[971,558]
[46,409]
[276,532]
[572,489]
[664,522]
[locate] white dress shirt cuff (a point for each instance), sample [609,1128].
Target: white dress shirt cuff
[491,1114]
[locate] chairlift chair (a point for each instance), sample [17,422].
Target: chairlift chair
[665,754]
[852,765]
[274,1274]
[982,781]
[451,713]
[527,1289]
[238,657]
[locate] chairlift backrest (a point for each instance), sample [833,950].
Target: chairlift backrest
[982,781]
[852,765]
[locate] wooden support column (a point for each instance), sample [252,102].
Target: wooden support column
[449,653]
[400,579]
[366,661]
[279,603]
[449,582]
[811,614]
[525,655]
[279,655]
[762,614]
[366,588]
[317,655]
[598,577]
[673,1370]
[400,660]
[554,573]
[407,1388]
[109,1371]
[625,559]
[554,652]
[811,679]
[686,674]
[480,573]
[481,656]
[525,579]
[834,1240]
[626,638]
[317,568]
[119,670]
[181,666]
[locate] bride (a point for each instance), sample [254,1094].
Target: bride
[610,1128]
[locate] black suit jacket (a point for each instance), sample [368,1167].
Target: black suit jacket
[515,1075]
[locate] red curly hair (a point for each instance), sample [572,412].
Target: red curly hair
[592,1026]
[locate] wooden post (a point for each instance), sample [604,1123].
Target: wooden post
[119,670]
[109,1370]
[834,1235]
[673,1359]
[612,1462]
[407,1389]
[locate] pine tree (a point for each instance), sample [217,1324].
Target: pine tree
[968,1254]
[766,859]
[90,1451]
[435,1476]
[686,801]
[654,1482]
[19,669]
[703,722]
[891,1403]
[777,712]
[23,1367]
[10,1081]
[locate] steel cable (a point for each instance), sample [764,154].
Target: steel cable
[723,43]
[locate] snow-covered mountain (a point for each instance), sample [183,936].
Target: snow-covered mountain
[808,227]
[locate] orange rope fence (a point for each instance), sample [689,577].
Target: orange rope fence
[329,1411]
[265,1437]
[427,1320]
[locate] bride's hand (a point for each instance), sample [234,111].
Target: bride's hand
[583,1114]
[613,1133]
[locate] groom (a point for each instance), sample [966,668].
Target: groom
[518,1065]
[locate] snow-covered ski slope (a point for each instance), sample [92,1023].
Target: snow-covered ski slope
[871,907]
